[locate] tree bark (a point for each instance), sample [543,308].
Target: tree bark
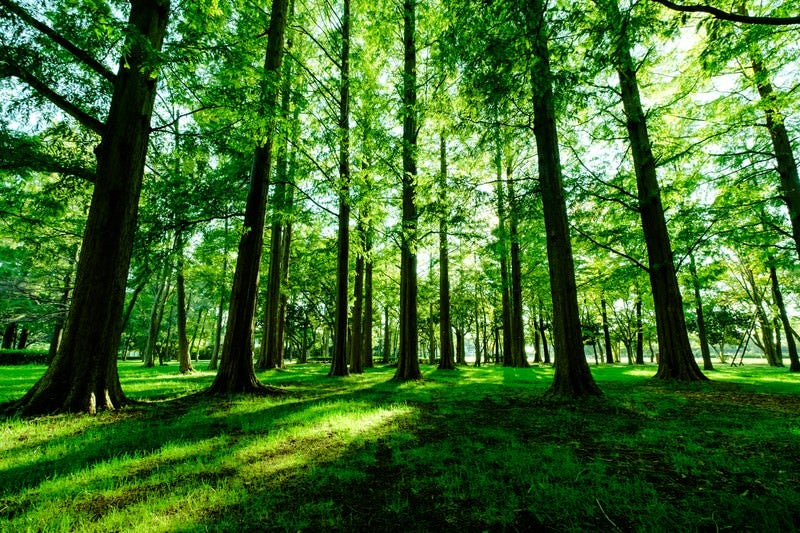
[83,376]
[408,355]
[676,361]
[791,345]
[781,143]
[518,356]
[502,248]
[701,320]
[156,316]
[387,336]
[339,363]
[446,356]
[184,361]
[606,333]
[366,326]
[639,332]
[212,365]
[61,317]
[356,356]
[572,375]
[236,373]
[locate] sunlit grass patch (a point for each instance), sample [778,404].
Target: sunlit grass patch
[475,449]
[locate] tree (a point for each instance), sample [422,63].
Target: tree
[236,373]
[408,358]
[339,363]
[446,360]
[83,376]
[572,375]
[676,360]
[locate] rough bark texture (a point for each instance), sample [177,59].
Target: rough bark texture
[387,337]
[356,356]
[639,332]
[701,320]
[518,356]
[83,376]
[366,326]
[502,250]
[212,365]
[781,143]
[408,355]
[236,374]
[606,333]
[676,359]
[339,363]
[572,375]
[791,345]
[446,358]
[184,362]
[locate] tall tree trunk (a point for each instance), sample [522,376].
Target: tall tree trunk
[387,336]
[777,295]
[22,342]
[408,357]
[271,342]
[212,365]
[676,360]
[236,373]
[339,363]
[639,331]
[781,142]
[9,336]
[446,356]
[701,320]
[185,363]
[572,375]
[606,333]
[366,327]
[157,313]
[199,329]
[502,250]
[58,326]
[83,376]
[518,356]
[460,350]
[767,340]
[356,357]
[542,328]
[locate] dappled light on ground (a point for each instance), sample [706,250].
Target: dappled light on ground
[475,449]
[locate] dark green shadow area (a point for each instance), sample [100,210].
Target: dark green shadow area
[479,449]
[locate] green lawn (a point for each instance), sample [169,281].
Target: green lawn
[477,449]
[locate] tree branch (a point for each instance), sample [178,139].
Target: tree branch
[731,17]
[59,39]
[8,69]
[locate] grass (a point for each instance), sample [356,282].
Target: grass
[477,449]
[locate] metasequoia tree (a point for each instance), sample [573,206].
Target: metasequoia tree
[446,359]
[339,363]
[408,358]
[271,342]
[572,375]
[236,372]
[676,360]
[83,376]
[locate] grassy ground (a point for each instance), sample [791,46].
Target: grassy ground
[470,450]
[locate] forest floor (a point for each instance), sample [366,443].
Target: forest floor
[476,449]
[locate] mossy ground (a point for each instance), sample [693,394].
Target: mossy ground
[476,449]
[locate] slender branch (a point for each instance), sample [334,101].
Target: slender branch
[731,17]
[610,248]
[59,39]
[10,69]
